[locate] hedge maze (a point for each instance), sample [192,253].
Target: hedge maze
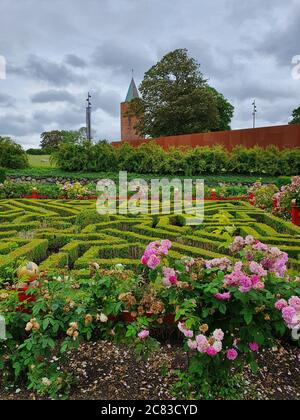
[45,231]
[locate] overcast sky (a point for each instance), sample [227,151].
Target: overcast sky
[57,50]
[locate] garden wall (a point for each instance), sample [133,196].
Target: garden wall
[284,136]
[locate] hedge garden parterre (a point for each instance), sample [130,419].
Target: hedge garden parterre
[45,231]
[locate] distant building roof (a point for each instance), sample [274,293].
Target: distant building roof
[132,91]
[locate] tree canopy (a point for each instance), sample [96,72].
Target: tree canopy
[296,116]
[176,99]
[51,140]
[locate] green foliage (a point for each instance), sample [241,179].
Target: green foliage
[295,116]
[264,195]
[176,99]
[35,152]
[150,158]
[11,154]
[90,217]
[86,157]
[177,220]
[2,175]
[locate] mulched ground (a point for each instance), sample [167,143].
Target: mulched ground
[107,372]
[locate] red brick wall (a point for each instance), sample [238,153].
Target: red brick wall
[127,125]
[284,136]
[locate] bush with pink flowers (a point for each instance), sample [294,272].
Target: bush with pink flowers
[288,194]
[227,309]
[224,311]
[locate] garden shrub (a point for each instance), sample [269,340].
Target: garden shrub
[177,220]
[264,195]
[11,154]
[150,158]
[2,175]
[90,217]
[226,309]
[287,195]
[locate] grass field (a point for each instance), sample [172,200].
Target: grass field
[42,161]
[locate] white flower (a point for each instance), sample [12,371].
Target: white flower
[46,382]
[103,318]
[218,346]
[218,335]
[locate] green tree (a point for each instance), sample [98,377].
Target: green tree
[50,140]
[296,116]
[226,111]
[176,99]
[12,154]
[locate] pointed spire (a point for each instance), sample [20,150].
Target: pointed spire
[132,91]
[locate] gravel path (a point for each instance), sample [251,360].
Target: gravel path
[108,372]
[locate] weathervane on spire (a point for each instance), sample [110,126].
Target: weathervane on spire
[88,118]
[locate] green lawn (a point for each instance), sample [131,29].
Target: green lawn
[42,161]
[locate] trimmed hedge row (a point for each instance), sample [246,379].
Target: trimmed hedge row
[150,158]
[56,241]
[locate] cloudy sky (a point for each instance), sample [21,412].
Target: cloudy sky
[58,50]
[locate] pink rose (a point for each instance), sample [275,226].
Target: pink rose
[280,304]
[211,351]
[218,335]
[294,301]
[192,344]
[231,354]
[153,262]
[143,334]
[254,347]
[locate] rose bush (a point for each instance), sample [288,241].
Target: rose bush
[225,309]
[286,196]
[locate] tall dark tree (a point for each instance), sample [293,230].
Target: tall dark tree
[296,116]
[226,111]
[176,99]
[50,140]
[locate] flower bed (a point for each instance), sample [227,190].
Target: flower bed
[227,309]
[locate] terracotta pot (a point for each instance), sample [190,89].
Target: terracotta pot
[169,319]
[23,297]
[127,317]
[296,215]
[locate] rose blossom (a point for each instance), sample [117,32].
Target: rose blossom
[231,354]
[254,347]
[143,334]
[294,302]
[202,343]
[280,304]
[218,346]
[218,335]
[223,296]
[153,262]
[187,333]
[192,344]
[211,351]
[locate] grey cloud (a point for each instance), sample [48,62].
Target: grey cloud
[52,95]
[108,101]
[75,61]
[245,50]
[122,56]
[284,43]
[6,100]
[54,73]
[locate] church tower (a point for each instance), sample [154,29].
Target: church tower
[129,122]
